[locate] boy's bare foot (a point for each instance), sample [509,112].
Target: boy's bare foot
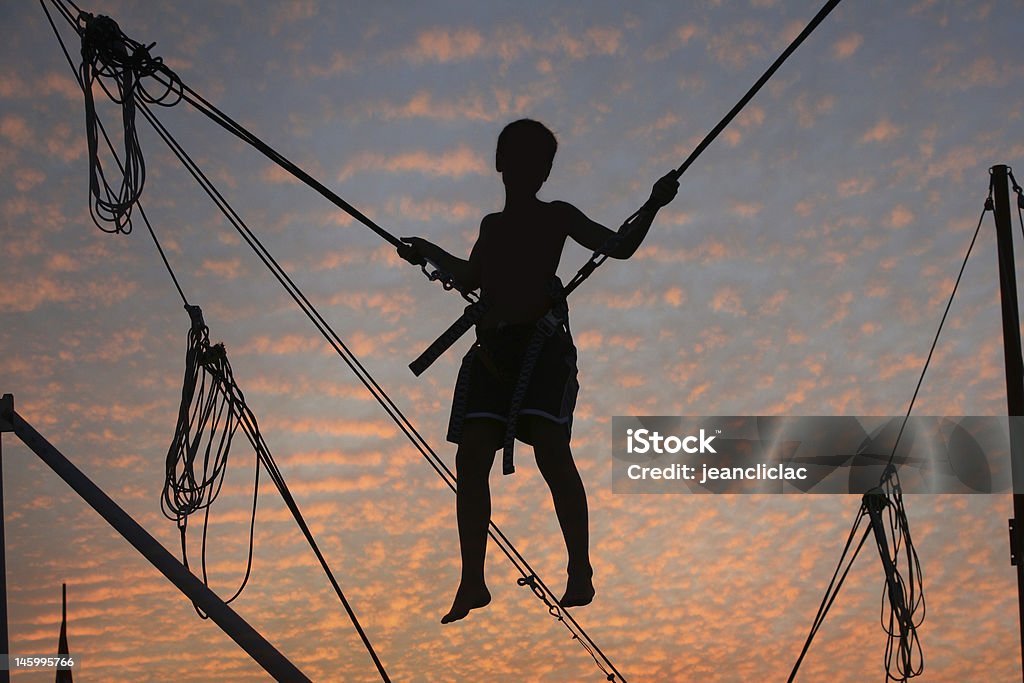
[578,592]
[467,599]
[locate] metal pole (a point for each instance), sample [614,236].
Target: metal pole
[1014,371]
[6,411]
[257,647]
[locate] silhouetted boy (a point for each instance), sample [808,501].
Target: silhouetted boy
[513,263]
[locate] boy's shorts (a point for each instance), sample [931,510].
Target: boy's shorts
[490,370]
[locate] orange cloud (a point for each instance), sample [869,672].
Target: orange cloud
[16,130]
[228,269]
[901,217]
[280,345]
[674,296]
[883,131]
[808,109]
[852,187]
[30,294]
[455,163]
[847,45]
[727,300]
[445,45]
[746,209]
[435,209]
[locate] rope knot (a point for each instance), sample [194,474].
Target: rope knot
[102,37]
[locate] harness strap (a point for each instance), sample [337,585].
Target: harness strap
[555,320]
[471,316]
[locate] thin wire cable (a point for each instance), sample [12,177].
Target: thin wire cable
[935,340]
[208,418]
[120,66]
[833,587]
[904,658]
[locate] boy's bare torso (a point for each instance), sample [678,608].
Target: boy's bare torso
[517,254]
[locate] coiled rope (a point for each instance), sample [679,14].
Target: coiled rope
[121,67]
[212,410]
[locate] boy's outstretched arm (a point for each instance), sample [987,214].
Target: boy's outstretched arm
[594,235]
[466,273]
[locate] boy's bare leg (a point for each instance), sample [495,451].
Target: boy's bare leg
[554,459]
[480,439]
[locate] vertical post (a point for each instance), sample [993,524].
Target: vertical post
[1014,370]
[6,425]
[63,675]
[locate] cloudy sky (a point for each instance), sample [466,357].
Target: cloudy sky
[802,270]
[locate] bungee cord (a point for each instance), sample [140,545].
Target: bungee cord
[601,254]
[518,561]
[475,311]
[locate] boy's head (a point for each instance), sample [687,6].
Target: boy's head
[526,150]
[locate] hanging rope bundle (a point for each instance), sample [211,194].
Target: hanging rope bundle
[211,411]
[121,67]
[903,592]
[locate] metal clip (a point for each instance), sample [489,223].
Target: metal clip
[446,280]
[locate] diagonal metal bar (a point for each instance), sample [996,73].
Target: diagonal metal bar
[239,630]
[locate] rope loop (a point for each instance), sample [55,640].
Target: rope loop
[122,68]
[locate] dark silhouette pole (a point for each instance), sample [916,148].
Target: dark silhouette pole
[63,675]
[6,413]
[1014,370]
[255,645]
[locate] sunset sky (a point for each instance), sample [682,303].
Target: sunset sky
[801,270]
